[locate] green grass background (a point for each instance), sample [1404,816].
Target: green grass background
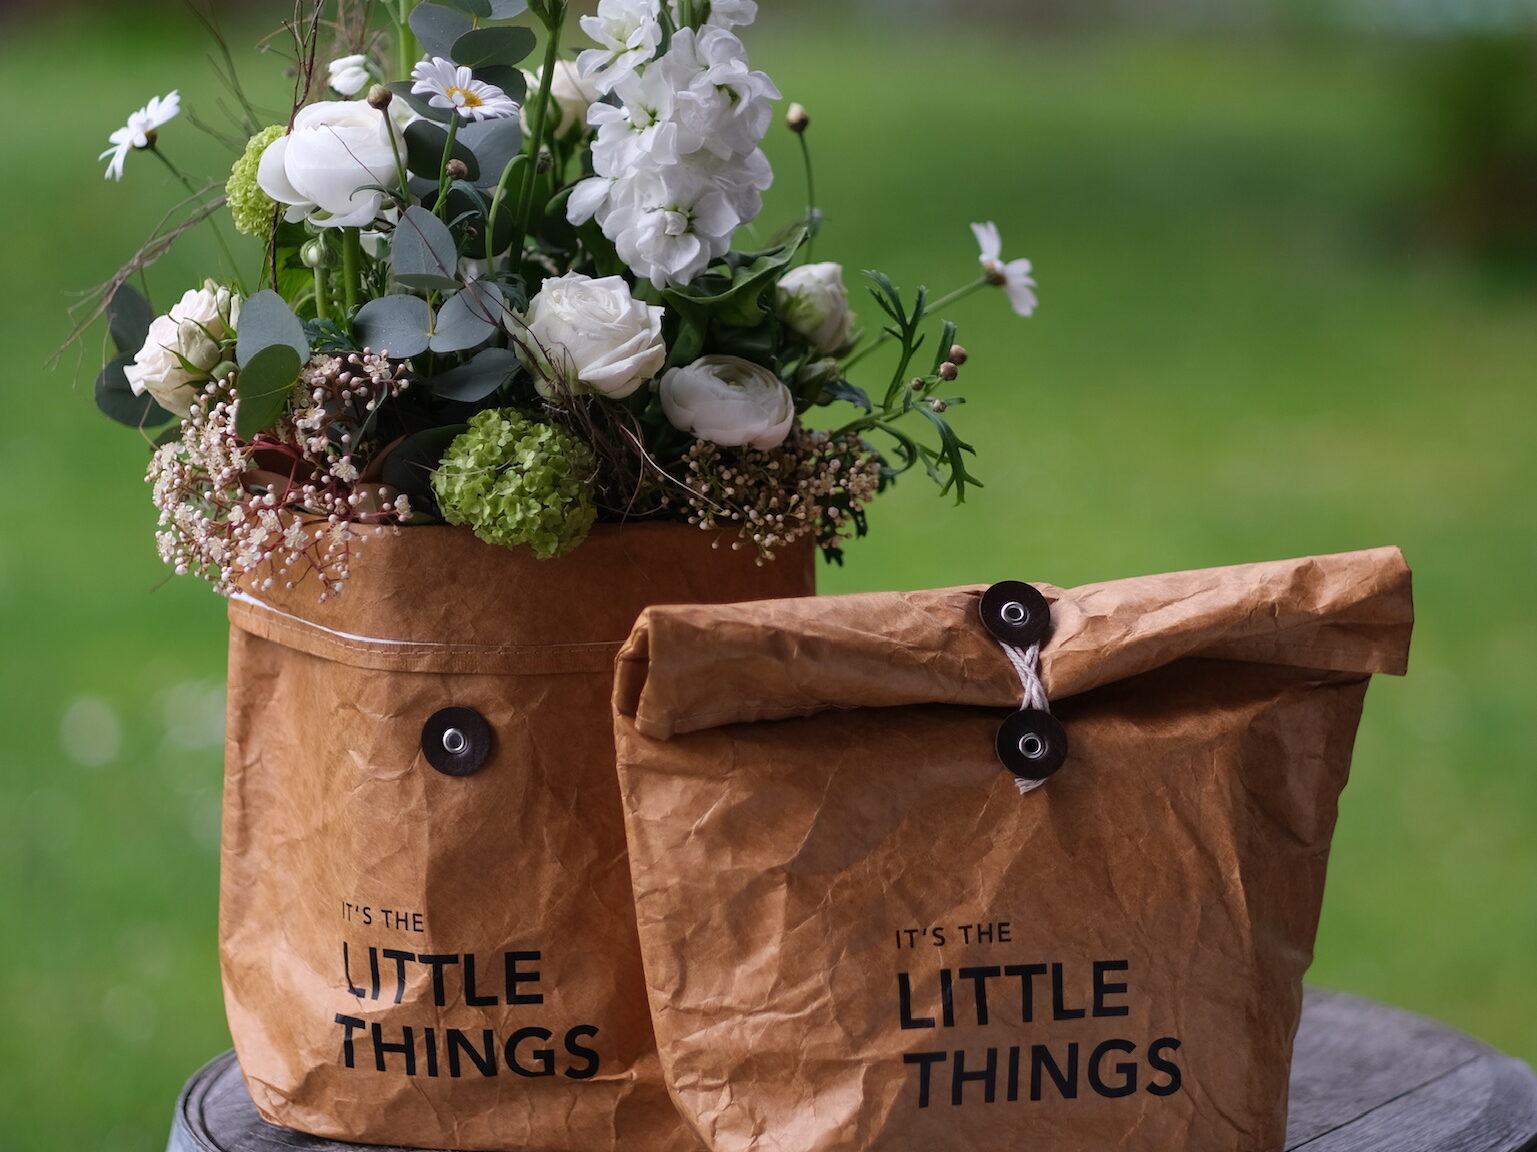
[1240,355]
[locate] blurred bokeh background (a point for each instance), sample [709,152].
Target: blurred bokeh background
[1287,255]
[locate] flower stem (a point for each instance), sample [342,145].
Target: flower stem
[943,302]
[405,41]
[322,294]
[441,207]
[218,234]
[525,201]
[812,215]
[352,268]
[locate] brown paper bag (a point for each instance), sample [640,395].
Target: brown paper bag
[412,957]
[859,935]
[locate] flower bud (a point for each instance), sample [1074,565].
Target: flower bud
[938,405]
[315,255]
[457,169]
[798,119]
[958,354]
[379,97]
[918,384]
[814,302]
[948,371]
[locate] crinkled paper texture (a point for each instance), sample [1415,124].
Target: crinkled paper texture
[329,802]
[812,797]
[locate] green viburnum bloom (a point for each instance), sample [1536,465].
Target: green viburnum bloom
[248,204]
[516,481]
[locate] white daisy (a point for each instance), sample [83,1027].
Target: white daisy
[449,87]
[1013,276]
[139,132]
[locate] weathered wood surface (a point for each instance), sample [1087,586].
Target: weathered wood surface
[1365,1078]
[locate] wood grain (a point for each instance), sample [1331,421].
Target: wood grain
[1365,1078]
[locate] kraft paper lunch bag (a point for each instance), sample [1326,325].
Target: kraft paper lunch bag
[863,933]
[426,929]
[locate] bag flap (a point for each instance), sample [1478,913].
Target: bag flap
[689,668]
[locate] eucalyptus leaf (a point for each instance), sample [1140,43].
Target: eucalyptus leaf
[508,9]
[398,325]
[411,463]
[423,253]
[438,27]
[504,46]
[480,8]
[425,142]
[115,397]
[495,143]
[510,80]
[129,317]
[267,320]
[469,318]
[473,382]
[264,386]
[419,104]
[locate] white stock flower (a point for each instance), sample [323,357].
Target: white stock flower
[184,347]
[1013,276]
[667,225]
[640,132]
[813,301]
[350,74]
[728,401]
[721,101]
[449,86]
[323,167]
[628,32]
[139,132]
[726,13]
[594,335]
[571,94]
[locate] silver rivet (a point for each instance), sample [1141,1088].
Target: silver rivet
[454,742]
[1014,613]
[1032,747]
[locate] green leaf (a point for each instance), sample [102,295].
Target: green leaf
[473,382]
[734,302]
[840,389]
[397,325]
[114,396]
[437,27]
[951,456]
[267,320]
[419,104]
[128,319]
[469,318]
[411,463]
[484,47]
[495,143]
[510,80]
[425,142]
[423,253]
[264,387]
[480,8]
[508,9]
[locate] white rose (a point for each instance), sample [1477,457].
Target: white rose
[813,301]
[320,169]
[184,347]
[595,335]
[571,95]
[729,401]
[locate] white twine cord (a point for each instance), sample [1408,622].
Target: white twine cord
[1027,662]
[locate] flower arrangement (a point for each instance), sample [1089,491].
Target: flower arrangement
[515,301]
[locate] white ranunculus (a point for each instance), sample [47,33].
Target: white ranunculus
[814,301]
[323,167]
[571,96]
[184,347]
[595,335]
[729,401]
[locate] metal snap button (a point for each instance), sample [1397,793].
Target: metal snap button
[1032,744]
[1015,613]
[457,741]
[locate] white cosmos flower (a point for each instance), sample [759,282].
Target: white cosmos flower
[350,75]
[139,132]
[1013,276]
[629,32]
[447,86]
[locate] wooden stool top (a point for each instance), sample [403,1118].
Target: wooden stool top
[1365,1078]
